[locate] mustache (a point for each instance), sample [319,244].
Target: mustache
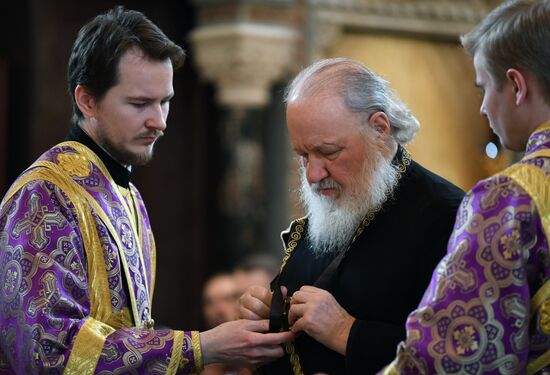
[325,183]
[151,134]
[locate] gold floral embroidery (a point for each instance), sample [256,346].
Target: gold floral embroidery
[511,244]
[74,164]
[466,340]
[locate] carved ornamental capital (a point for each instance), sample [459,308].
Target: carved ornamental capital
[243,59]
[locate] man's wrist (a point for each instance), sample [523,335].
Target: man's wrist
[341,339]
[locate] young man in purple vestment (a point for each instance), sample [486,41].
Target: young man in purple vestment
[77,255]
[487,308]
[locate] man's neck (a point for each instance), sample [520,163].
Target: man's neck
[120,174]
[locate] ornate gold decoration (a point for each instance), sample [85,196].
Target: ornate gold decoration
[197,353]
[511,243]
[99,292]
[89,155]
[466,340]
[534,181]
[38,221]
[544,318]
[176,361]
[296,235]
[74,164]
[87,347]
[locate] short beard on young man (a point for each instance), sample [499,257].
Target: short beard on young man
[333,222]
[123,156]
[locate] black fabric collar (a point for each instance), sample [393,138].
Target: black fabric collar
[120,174]
[398,155]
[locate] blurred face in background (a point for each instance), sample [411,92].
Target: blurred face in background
[220,300]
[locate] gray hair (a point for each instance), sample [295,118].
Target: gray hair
[516,34]
[361,90]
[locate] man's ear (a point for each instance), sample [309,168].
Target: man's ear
[85,101]
[519,84]
[381,124]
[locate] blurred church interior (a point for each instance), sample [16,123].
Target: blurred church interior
[223,181]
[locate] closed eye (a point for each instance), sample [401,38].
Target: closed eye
[330,154]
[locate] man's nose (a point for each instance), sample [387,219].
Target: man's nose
[482,110]
[157,120]
[316,171]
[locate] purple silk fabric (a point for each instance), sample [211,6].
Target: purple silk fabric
[475,317]
[45,288]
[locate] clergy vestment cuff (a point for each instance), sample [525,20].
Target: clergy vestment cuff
[191,360]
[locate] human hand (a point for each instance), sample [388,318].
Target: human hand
[316,312]
[242,343]
[255,303]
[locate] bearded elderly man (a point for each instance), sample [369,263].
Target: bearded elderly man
[377,223]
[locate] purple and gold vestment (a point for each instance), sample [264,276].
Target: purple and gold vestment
[487,308]
[77,272]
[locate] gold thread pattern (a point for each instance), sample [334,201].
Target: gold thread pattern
[465,340]
[100,307]
[74,164]
[543,127]
[538,363]
[90,155]
[197,353]
[544,320]
[87,347]
[87,154]
[391,369]
[535,182]
[175,359]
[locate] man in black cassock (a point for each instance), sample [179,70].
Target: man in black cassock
[377,224]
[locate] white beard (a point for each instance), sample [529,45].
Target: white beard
[333,222]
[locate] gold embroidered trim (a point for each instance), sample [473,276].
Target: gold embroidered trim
[79,191]
[535,182]
[90,155]
[197,353]
[177,353]
[87,347]
[537,154]
[538,363]
[82,195]
[296,235]
[100,298]
[542,127]
[120,319]
[391,369]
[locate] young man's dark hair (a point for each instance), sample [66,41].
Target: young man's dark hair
[100,44]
